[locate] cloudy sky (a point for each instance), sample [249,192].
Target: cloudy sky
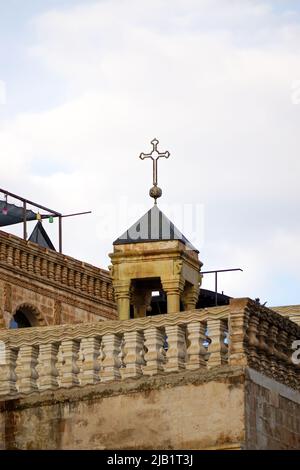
[84,87]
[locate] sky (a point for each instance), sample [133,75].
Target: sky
[86,85]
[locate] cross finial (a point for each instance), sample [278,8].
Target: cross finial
[155,191]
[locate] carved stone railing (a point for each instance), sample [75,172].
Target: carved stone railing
[60,271]
[241,334]
[263,340]
[37,359]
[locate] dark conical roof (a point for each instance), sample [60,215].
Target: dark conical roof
[153,226]
[40,236]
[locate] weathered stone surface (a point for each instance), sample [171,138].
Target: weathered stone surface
[272,414]
[229,407]
[186,410]
[57,289]
[167,265]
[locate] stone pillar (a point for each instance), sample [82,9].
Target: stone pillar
[238,324]
[173,289]
[190,296]
[141,300]
[122,296]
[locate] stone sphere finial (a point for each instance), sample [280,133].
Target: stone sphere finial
[155,192]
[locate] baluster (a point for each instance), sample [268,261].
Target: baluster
[8,362]
[44,267]
[77,280]
[69,369]
[30,263]
[217,348]
[51,272]
[176,353]
[37,265]
[292,374]
[17,258]
[71,278]
[196,350]
[3,250]
[91,285]
[272,335]
[24,260]
[57,273]
[133,354]
[64,275]
[110,292]
[155,355]
[97,287]
[111,362]
[282,355]
[9,255]
[47,370]
[90,366]
[103,290]
[26,369]
[253,357]
[84,282]
[263,329]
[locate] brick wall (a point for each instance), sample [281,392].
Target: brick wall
[57,288]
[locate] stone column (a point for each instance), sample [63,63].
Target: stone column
[141,299]
[190,297]
[122,296]
[173,289]
[238,324]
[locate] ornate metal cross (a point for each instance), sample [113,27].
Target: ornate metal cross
[155,191]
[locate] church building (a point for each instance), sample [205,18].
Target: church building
[137,356]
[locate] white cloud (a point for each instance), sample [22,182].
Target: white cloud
[210,79]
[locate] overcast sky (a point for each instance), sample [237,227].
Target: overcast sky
[85,86]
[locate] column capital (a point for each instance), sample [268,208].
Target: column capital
[173,286]
[122,289]
[190,297]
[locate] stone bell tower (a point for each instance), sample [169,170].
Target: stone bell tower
[154,255]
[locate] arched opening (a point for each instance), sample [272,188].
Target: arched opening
[25,317]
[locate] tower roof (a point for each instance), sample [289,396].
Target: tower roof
[153,226]
[40,236]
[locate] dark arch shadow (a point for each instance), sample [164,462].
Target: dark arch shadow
[25,316]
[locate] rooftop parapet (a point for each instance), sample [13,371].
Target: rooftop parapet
[243,334]
[55,269]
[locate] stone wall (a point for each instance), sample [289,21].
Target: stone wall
[272,414]
[58,289]
[177,411]
[226,408]
[204,379]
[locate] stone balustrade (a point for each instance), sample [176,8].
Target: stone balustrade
[27,258]
[241,334]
